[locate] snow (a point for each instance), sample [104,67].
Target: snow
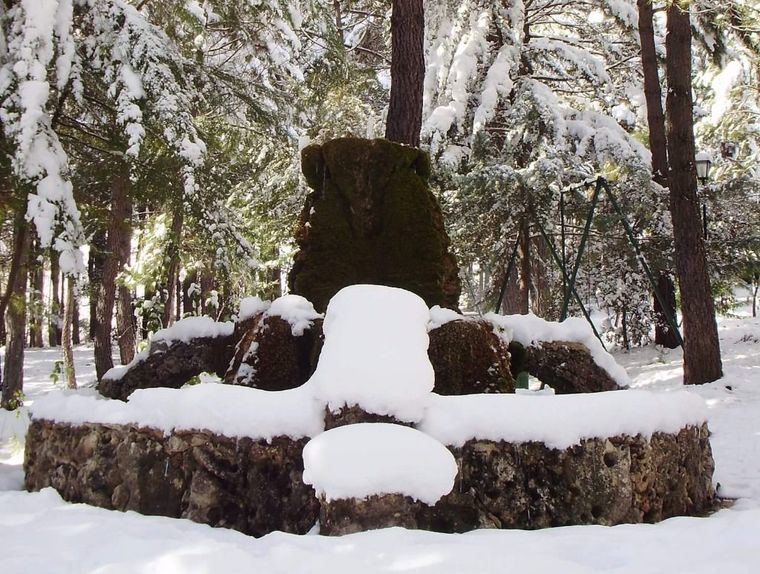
[228,410]
[296,310]
[559,421]
[184,330]
[361,460]
[530,330]
[250,306]
[440,316]
[375,352]
[42,533]
[190,328]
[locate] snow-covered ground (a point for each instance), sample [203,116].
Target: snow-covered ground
[42,534]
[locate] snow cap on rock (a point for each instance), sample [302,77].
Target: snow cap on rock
[361,460]
[296,310]
[375,353]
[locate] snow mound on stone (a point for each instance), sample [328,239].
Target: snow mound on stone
[559,421]
[361,460]
[250,306]
[375,352]
[190,328]
[439,316]
[530,330]
[228,410]
[296,310]
[184,330]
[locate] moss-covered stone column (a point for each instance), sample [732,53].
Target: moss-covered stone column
[371,218]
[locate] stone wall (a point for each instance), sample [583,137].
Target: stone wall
[608,481]
[256,487]
[248,485]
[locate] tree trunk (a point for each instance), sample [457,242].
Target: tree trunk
[407,72]
[36,299]
[701,350]
[124,326]
[525,270]
[175,241]
[95,262]
[208,284]
[67,342]
[512,304]
[663,334]
[189,300]
[54,323]
[118,232]
[125,337]
[653,94]
[13,373]
[75,320]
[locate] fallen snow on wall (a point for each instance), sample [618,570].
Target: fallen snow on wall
[228,410]
[361,460]
[530,330]
[375,352]
[559,421]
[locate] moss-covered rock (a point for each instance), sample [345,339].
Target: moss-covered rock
[567,367]
[468,357]
[371,219]
[270,357]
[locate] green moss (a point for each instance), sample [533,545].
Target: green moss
[375,221]
[312,166]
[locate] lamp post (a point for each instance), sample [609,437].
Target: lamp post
[703,164]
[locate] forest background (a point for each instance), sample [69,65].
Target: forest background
[149,165]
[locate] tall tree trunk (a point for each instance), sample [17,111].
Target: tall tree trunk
[75,320]
[54,323]
[125,336]
[172,274]
[663,334]
[407,72]
[512,303]
[118,228]
[208,284]
[525,270]
[36,298]
[653,94]
[125,328]
[701,353]
[189,300]
[95,262]
[13,369]
[67,342]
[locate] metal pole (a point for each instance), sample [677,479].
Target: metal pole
[581,248]
[637,250]
[570,284]
[510,266]
[704,219]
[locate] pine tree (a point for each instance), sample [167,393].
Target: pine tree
[702,362]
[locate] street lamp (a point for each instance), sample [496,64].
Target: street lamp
[703,164]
